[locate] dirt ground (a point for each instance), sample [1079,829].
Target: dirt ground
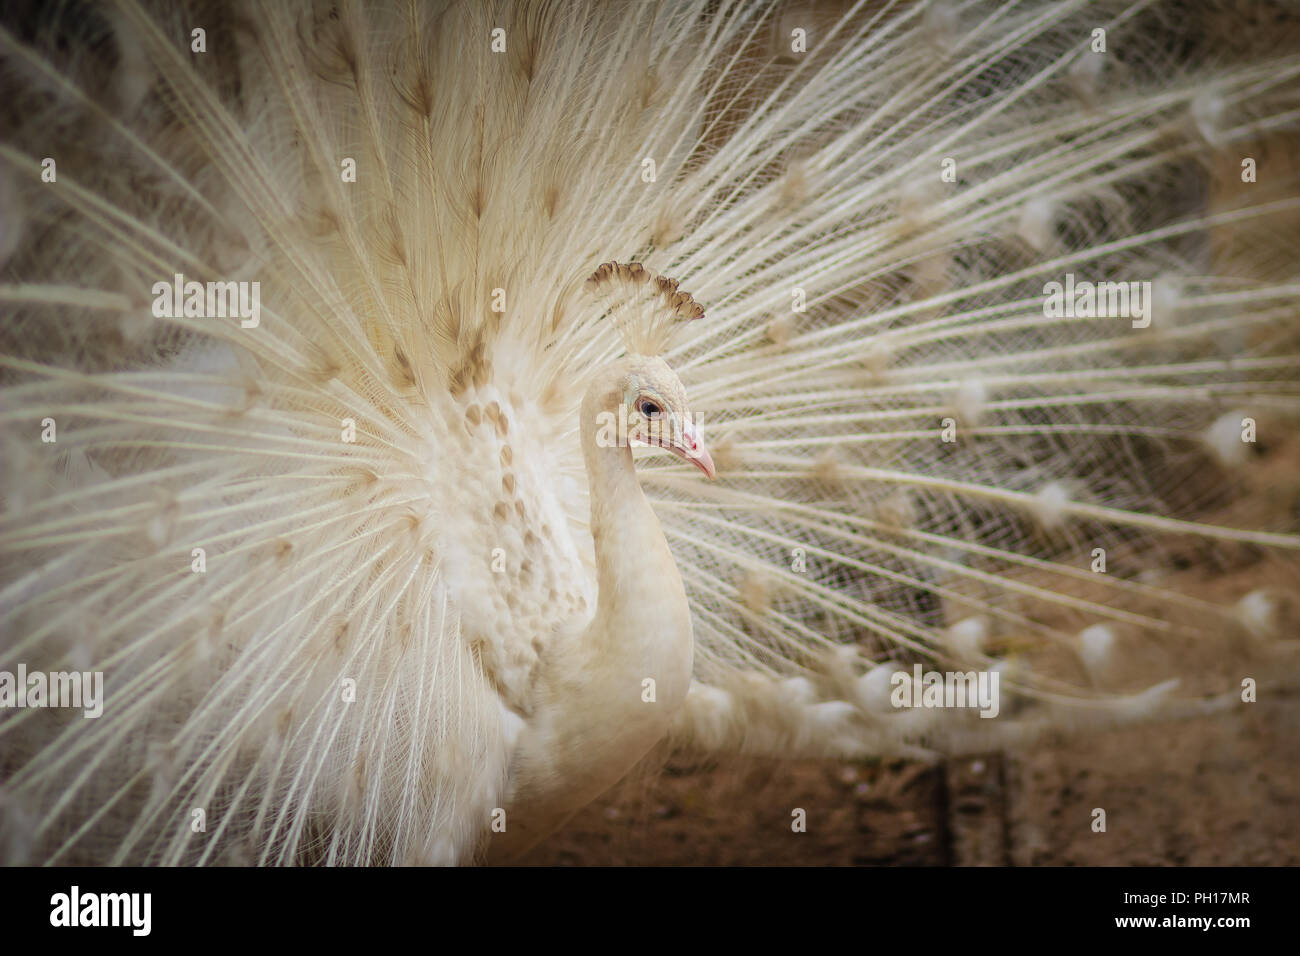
[1212,791]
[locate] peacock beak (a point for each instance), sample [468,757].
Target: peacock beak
[692,449]
[682,439]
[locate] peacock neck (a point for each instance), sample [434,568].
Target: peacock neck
[625,532]
[641,603]
[609,691]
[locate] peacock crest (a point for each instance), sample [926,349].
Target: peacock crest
[644,306]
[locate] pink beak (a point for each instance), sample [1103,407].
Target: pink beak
[692,449]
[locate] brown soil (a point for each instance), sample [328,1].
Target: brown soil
[1212,791]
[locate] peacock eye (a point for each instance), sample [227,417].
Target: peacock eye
[650,409]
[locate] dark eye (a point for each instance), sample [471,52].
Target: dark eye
[650,409]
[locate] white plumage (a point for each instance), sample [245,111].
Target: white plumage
[430,597]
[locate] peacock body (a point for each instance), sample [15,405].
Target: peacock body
[365,579]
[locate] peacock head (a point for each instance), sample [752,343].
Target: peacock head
[647,308]
[656,412]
